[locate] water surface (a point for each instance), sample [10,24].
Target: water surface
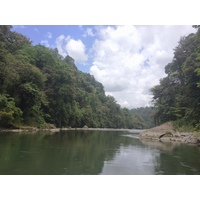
[93,153]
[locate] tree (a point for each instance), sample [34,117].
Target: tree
[10,115]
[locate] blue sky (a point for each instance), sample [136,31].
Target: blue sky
[128,60]
[46,35]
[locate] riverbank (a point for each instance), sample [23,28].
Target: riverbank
[167,133]
[33,129]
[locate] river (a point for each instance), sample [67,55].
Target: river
[93,153]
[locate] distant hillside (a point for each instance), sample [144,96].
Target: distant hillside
[146,114]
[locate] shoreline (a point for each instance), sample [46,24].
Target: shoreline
[32,129]
[167,133]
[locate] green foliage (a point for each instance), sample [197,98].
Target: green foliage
[146,116]
[182,126]
[40,87]
[177,98]
[10,115]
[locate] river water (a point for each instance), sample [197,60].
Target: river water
[93,153]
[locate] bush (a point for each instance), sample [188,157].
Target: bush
[6,119]
[183,125]
[10,115]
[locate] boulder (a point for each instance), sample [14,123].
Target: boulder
[167,133]
[163,131]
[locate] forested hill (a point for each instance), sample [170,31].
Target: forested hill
[38,87]
[177,97]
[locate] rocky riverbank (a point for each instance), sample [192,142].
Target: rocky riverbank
[167,133]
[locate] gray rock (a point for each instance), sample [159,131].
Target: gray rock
[167,133]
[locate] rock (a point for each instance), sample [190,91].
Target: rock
[167,133]
[52,126]
[164,130]
[192,140]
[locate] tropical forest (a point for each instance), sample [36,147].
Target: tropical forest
[41,88]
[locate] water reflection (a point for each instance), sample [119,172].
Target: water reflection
[131,160]
[93,152]
[175,158]
[165,146]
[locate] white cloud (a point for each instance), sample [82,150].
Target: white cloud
[60,45]
[74,48]
[45,43]
[49,35]
[129,60]
[89,32]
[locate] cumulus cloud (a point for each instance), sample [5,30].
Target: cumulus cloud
[74,48]
[129,60]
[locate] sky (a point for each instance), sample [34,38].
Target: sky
[128,60]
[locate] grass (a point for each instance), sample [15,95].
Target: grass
[196,134]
